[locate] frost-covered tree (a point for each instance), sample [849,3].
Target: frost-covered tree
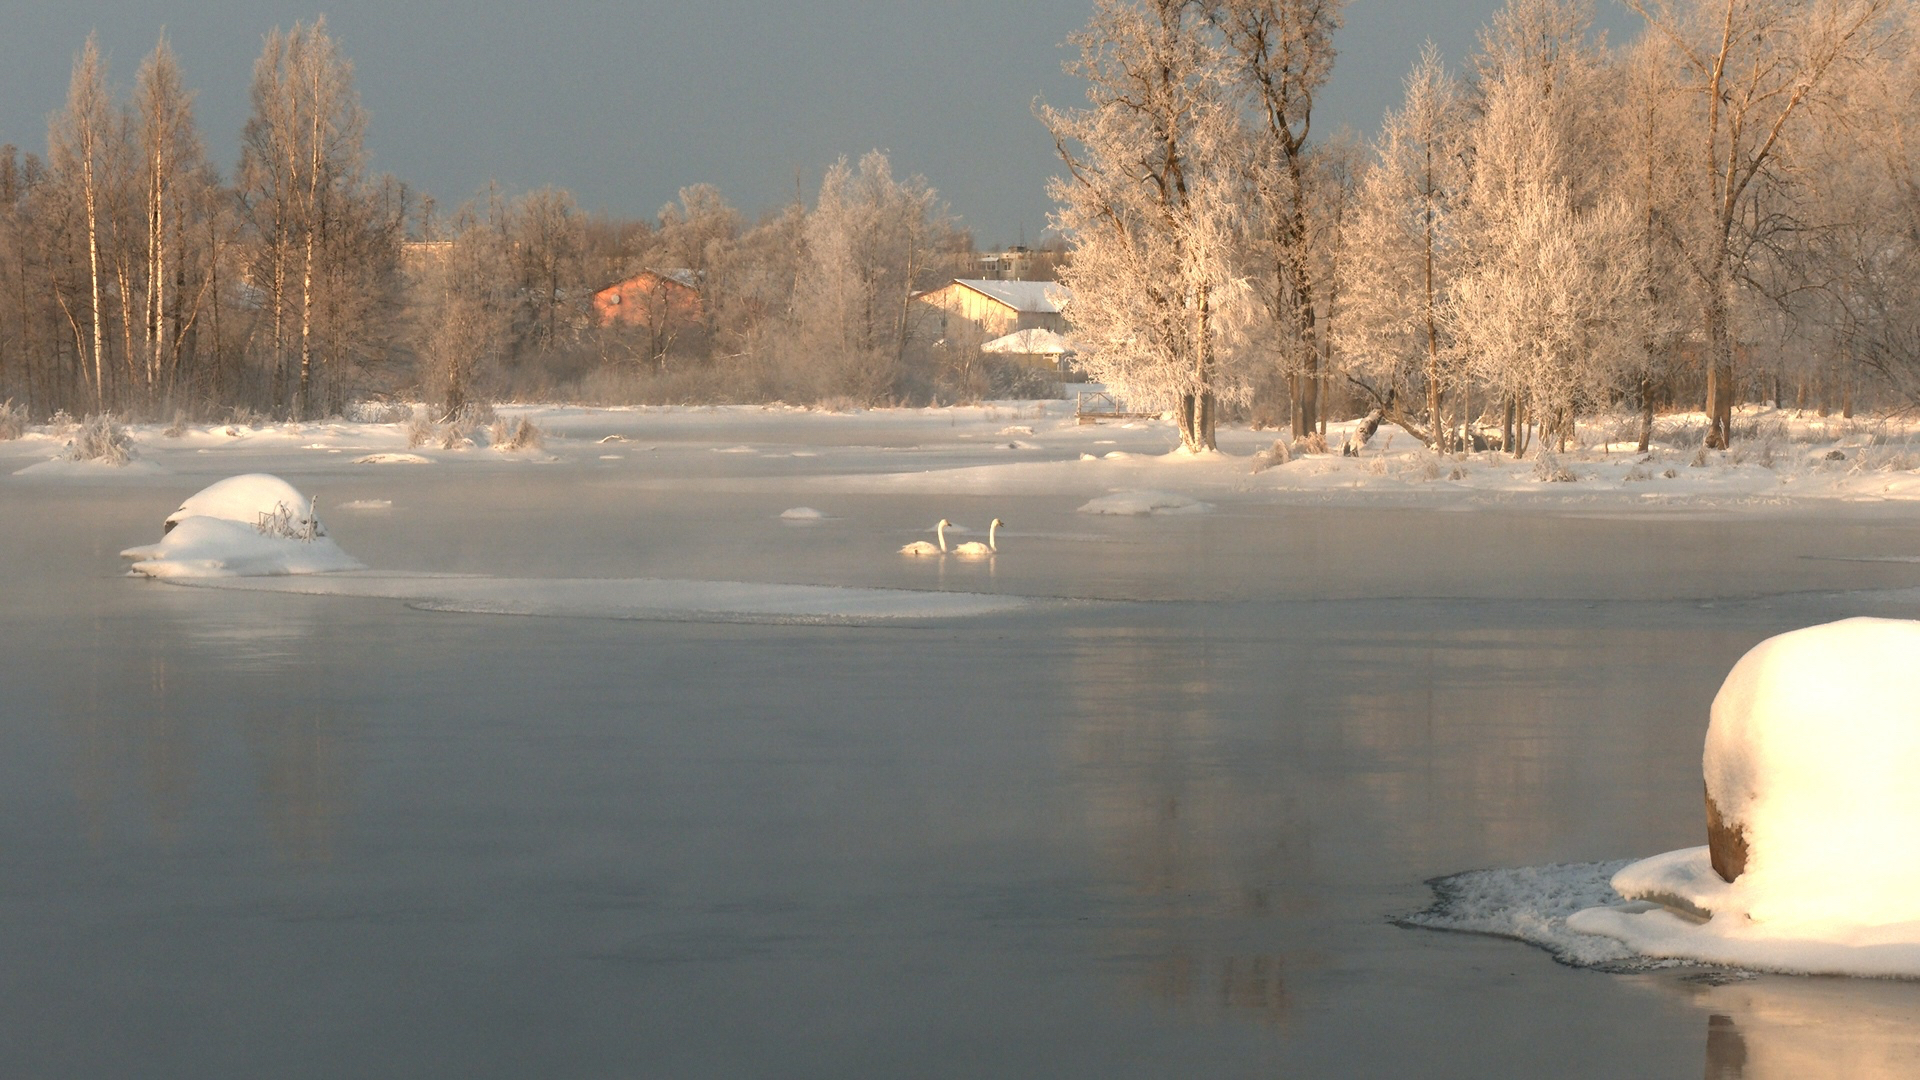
[1753,71]
[179,198]
[469,305]
[1400,253]
[1549,316]
[1282,53]
[1538,309]
[872,241]
[1152,205]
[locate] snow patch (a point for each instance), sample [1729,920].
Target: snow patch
[1135,503]
[368,504]
[59,468]
[392,459]
[801,513]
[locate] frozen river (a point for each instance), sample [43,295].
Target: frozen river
[1155,822]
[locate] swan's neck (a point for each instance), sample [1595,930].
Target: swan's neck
[940,531]
[992,531]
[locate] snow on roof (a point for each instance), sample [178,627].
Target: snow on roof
[1033,341]
[1041,296]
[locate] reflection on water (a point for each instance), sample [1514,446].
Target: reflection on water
[1201,846]
[1726,1050]
[1786,1028]
[301,766]
[139,722]
[122,753]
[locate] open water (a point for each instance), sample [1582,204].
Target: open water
[1156,829]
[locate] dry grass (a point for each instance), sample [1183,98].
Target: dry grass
[13,420]
[100,438]
[517,435]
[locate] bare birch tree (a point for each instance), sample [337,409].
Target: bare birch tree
[301,158]
[82,149]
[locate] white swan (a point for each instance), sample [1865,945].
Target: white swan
[975,547]
[921,547]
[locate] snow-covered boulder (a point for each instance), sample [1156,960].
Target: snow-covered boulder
[1813,774]
[246,499]
[1812,769]
[244,526]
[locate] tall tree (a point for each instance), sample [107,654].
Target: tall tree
[1152,204]
[173,177]
[872,241]
[300,170]
[1284,53]
[1401,252]
[86,154]
[1754,68]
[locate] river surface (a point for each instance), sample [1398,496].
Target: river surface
[1155,825]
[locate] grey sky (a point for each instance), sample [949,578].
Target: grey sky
[624,103]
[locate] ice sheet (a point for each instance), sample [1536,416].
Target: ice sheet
[641,598]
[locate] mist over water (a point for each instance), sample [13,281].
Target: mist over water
[1155,825]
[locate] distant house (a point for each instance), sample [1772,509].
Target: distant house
[1040,349]
[983,309]
[654,299]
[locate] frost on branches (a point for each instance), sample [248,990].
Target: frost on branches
[1152,204]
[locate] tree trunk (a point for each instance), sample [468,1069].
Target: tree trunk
[1719,374]
[1646,413]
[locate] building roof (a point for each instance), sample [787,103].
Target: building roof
[1048,297]
[1033,342]
[674,276]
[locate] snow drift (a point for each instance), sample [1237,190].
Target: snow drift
[252,525]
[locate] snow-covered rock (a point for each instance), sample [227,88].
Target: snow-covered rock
[245,499]
[1812,769]
[253,525]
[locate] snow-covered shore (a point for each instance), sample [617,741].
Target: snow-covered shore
[1782,460]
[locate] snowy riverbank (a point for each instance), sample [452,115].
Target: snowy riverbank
[1782,460]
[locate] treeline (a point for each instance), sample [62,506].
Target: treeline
[1725,208]
[136,279]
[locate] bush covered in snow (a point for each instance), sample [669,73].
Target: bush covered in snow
[100,438]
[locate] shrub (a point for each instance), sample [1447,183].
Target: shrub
[516,435]
[100,438]
[13,420]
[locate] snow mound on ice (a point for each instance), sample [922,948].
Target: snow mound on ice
[244,526]
[1812,755]
[245,499]
[392,459]
[1730,936]
[644,598]
[1532,904]
[1135,503]
[801,513]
